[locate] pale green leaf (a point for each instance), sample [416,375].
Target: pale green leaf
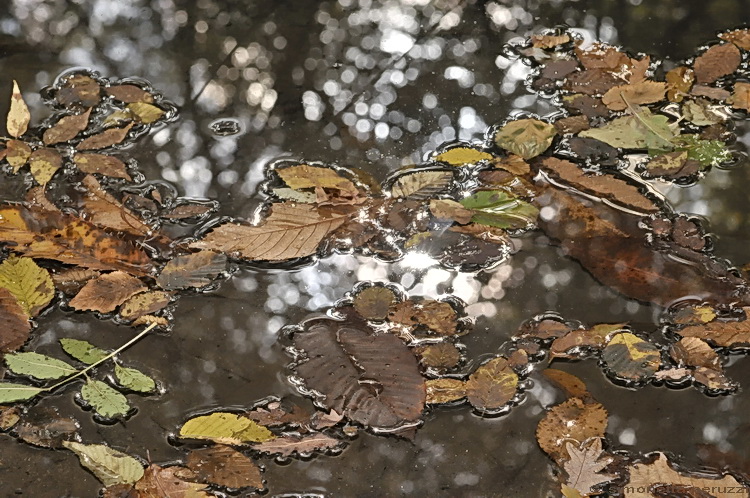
[463,156]
[497,208]
[642,130]
[105,400]
[107,464]
[226,428]
[526,137]
[38,365]
[10,392]
[83,351]
[28,282]
[133,379]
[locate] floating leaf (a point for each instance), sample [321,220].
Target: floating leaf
[46,428]
[79,90]
[17,154]
[107,292]
[105,400]
[572,420]
[192,270]
[16,325]
[106,138]
[146,113]
[290,444]
[679,81]
[707,152]
[447,209]
[587,460]
[30,284]
[593,338]
[436,316]
[526,137]
[304,176]
[224,466]
[18,114]
[373,303]
[38,365]
[670,164]
[161,482]
[66,129]
[107,464]
[422,184]
[717,61]
[102,164]
[619,98]
[445,390]
[740,98]
[642,130]
[44,163]
[463,156]
[724,334]
[144,303]
[295,195]
[740,37]
[71,281]
[443,355]
[549,41]
[629,357]
[492,386]
[133,379]
[10,392]
[572,385]
[497,208]
[83,351]
[225,428]
[129,94]
[695,352]
[104,210]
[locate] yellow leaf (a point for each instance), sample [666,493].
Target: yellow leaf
[18,114]
[226,428]
[44,163]
[31,285]
[526,137]
[146,113]
[462,156]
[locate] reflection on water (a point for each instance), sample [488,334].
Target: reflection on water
[376,85]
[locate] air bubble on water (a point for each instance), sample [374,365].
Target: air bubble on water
[225,127]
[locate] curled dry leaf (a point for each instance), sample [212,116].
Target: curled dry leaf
[107,292]
[67,128]
[373,303]
[526,137]
[224,466]
[18,114]
[102,164]
[629,357]
[16,325]
[445,390]
[719,60]
[194,270]
[289,444]
[571,420]
[492,386]
[106,138]
[30,284]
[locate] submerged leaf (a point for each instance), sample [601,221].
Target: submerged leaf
[107,464]
[38,365]
[103,164]
[226,428]
[105,400]
[642,130]
[158,482]
[224,466]
[373,303]
[192,270]
[106,138]
[290,444]
[526,137]
[445,390]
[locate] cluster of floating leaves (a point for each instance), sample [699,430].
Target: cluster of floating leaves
[92,236]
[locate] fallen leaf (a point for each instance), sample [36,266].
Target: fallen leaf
[559,69]
[107,292]
[79,90]
[303,445]
[36,197]
[713,379]
[192,270]
[571,420]
[695,352]
[105,400]
[129,94]
[133,379]
[544,329]
[71,281]
[436,316]
[18,114]
[447,209]
[719,60]
[444,390]
[373,303]
[740,98]
[17,154]
[492,386]
[102,164]
[144,303]
[38,366]
[587,460]
[679,82]
[669,164]
[11,392]
[16,325]
[224,466]
[103,210]
[44,163]
[46,428]
[274,412]
[304,176]
[710,92]
[107,464]
[9,416]
[146,113]
[190,209]
[642,130]
[694,314]
[572,124]
[571,344]
[83,351]
[160,321]
[629,357]
[591,107]
[525,137]
[594,152]
[497,208]
[621,97]
[422,184]
[740,37]
[31,285]
[290,231]
[462,156]
[723,334]
[161,482]
[549,41]
[701,112]
[673,374]
[225,428]
[600,55]
[569,383]
[67,128]
[106,138]
[442,356]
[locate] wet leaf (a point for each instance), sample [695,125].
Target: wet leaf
[373,303]
[544,329]
[629,357]
[46,428]
[10,392]
[145,113]
[290,444]
[79,90]
[38,365]
[492,386]
[572,124]
[158,482]
[105,400]
[695,314]
[67,128]
[642,130]
[571,420]
[707,152]
[133,379]
[740,98]
[370,378]
[447,209]
[304,176]
[569,383]
[669,164]
[16,325]
[295,195]
[9,415]
[18,114]
[644,476]
[695,352]
[105,211]
[463,156]
[591,107]
[436,316]
[17,154]
[717,61]
[160,321]
[445,390]
[444,355]
[192,270]
[107,464]
[106,138]
[71,281]
[144,303]
[679,81]
[44,163]
[594,338]
[102,164]
[700,112]
[549,41]
[30,284]
[526,137]
[129,94]
[497,208]
[713,379]
[740,37]
[621,97]
[107,292]
[291,231]
[723,334]
[710,92]
[225,428]
[422,184]
[224,466]
[587,460]
[83,351]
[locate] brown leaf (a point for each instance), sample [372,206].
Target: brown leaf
[602,56]
[160,321]
[484,233]
[370,378]
[44,163]
[422,184]
[16,325]
[669,164]
[436,316]
[543,329]
[224,466]
[572,124]
[102,164]
[79,90]
[445,390]
[9,416]
[629,357]
[144,304]
[129,94]
[569,383]
[276,412]
[587,460]
[591,107]
[373,303]
[714,380]
[591,82]
[446,209]
[290,231]
[161,482]
[679,82]
[185,211]
[492,386]
[107,292]
[740,98]
[723,334]
[304,176]
[694,352]
[192,270]
[740,37]
[289,444]
[67,128]
[145,113]
[103,210]
[106,138]
[570,420]
[694,314]
[17,154]
[18,114]
[710,92]
[72,280]
[46,428]
[621,97]
[719,60]
[569,346]
[549,41]
[444,355]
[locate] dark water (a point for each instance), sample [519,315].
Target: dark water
[327,81]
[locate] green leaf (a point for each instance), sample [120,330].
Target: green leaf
[225,428]
[28,282]
[38,365]
[133,379]
[83,351]
[499,209]
[110,466]
[526,137]
[106,401]
[642,130]
[10,392]
[706,152]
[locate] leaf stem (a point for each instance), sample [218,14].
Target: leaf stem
[113,353]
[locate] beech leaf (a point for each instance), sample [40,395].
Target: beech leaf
[28,282]
[107,292]
[107,464]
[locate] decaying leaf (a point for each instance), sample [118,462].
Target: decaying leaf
[679,81]
[225,428]
[192,270]
[549,41]
[571,420]
[442,356]
[106,401]
[44,163]
[729,334]
[740,98]
[719,60]
[422,184]
[158,482]
[38,365]
[103,164]
[67,128]
[107,464]
[619,98]
[79,90]
[107,292]
[290,444]
[144,303]
[71,281]
[497,208]
[304,176]
[224,466]
[740,37]
[436,316]
[17,154]
[526,137]
[133,379]
[9,416]
[492,386]
[462,156]
[18,114]
[103,210]
[373,303]
[572,385]
[106,138]
[46,428]
[30,284]
[587,460]
[643,130]
[593,338]
[629,357]
[695,352]
[129,93]
[16,325]
[445,390]
[83,351]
